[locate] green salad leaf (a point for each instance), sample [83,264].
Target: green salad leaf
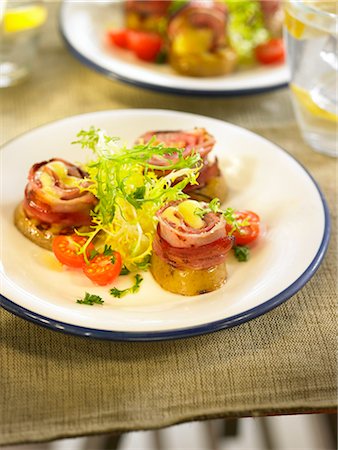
[246,28]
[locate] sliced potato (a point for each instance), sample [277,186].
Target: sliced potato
[187,281]
[40,234]
[30,229]
[204,64]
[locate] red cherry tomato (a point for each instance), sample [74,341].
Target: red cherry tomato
[118,37]
[103,269]
[246,233]
[271,52]
[146,46]
[66,249]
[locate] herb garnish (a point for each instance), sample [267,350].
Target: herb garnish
[132,290]
[93,253]
[90,299]
[124,271]
[229,215]
[107,251]
[242,253]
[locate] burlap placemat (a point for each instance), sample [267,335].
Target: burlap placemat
[53,385]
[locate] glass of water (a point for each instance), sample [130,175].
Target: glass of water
[20,23]
[312,46]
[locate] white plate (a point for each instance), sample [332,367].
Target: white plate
[261,177]
[83,26]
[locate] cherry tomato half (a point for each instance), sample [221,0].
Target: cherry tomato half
[103,269]
[271,52]
[118,37]
[66,249]
[145,45]
[247,233]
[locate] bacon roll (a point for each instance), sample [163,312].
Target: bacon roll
[190,248]
[54,202]
[147,15]
[273,16]
[210,180]
[198,44]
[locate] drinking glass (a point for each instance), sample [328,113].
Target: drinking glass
[20,24]
[311,33]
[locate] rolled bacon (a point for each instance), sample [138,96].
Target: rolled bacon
[201,14]
[57,202]
[209,170]
[273,15]
[185,247]
[198,140]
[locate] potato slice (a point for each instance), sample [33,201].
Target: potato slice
[187,281]
[30,229]
[41,234]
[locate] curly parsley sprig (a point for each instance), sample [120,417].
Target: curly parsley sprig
[229,215]
[132,290]
[242,253]
[90,299]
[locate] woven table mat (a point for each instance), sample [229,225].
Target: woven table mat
[54,385]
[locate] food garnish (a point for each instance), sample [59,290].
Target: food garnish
[90,299]
[103,269]
[242,253]
[67,248]
[245,227]
[132,290]
[124,271]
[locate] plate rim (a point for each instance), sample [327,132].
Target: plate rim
[155,87]
[195,330]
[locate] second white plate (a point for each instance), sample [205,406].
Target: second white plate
[84,24]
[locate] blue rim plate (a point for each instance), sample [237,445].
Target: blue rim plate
[83,26]
[285,258]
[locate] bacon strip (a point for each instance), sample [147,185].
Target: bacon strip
[58,203]
[185,247]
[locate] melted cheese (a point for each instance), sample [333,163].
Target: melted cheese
[184,211]
[188,209]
